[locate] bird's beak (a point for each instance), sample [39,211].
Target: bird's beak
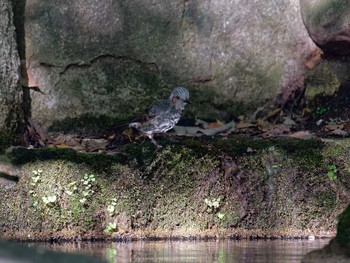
[187,101]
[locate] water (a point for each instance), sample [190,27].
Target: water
[195,251]
[270,251]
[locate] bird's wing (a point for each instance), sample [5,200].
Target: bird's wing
[156,109]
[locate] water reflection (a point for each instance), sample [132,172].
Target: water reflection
[195,251]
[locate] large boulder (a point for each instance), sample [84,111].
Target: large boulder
[115,57]
[343,230]
[338,250]
[327,22]
[10,93]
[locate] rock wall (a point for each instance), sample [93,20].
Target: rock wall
[10,97]
[115,57]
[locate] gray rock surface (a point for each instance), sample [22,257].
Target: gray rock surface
[327,22]
[115,57]
[9,71]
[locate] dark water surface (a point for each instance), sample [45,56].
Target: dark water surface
[271,251]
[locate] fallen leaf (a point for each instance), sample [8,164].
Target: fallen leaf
[288,121]
[112,137]
[208,125]
[65,139]
[244,125]
[62,146]
[201,123]
[346,126]
[93,145]
[214,125]
[185,130]
[274,112]
[302,135]
[339,132]
[263,125]
[314,58]
[333,127]
[278,130]
[230,126]
[241,117]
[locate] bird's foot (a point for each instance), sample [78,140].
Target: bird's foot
[155,143]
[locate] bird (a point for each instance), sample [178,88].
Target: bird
[163,114]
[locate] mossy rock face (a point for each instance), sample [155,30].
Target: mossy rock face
[196,187]
[320,82]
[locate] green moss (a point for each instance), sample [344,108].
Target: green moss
[329,13]
[320,82]
[71,207]
[327,199]
[254,76]
[20,156]
[143,154]
[339,5]
[307,151]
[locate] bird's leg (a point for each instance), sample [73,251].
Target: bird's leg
[150,136]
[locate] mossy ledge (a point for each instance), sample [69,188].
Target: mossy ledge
[194,187]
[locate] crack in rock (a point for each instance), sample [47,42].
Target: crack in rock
[98,58]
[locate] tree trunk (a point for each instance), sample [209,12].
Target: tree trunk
[10,91]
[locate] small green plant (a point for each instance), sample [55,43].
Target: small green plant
[88,182]
[220,215]
[71,188]
[49,200]
[111,227]
[332,172]
[32,193]
[213,207]
[212,204]
[111,207]
[36,177]
[321,110]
